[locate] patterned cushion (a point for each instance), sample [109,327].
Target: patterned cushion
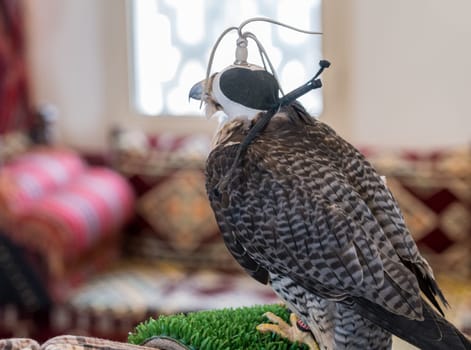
[68,342]
[173,222]
[30,176]
[75,217]
[19,344]
[67,215]
[434,192]
[64,225]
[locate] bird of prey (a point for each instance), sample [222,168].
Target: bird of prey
[302,210]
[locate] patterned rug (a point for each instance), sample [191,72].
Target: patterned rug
[113,303]
[142,288]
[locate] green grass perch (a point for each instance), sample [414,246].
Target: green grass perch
[228,329]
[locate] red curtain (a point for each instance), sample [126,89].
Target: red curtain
[15,112]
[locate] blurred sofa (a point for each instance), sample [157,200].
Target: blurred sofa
[94,250]
[66,215]
[172,258]
[61,223]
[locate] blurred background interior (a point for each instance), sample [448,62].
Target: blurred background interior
[103,214]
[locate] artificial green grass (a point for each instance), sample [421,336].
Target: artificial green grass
[228,329]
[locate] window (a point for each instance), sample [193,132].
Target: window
[172,39]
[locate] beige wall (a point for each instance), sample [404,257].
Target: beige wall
[399,77]
[68,62]
[403,71]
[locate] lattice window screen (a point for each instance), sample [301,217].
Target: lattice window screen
[171,41]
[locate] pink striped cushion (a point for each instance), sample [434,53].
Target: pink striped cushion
[32,175]
[72,220]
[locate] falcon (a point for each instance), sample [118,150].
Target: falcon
[302,210]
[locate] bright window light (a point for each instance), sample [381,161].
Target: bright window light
[172,39]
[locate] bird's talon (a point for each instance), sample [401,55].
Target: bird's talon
[284,330]
[293,319]
[275,319]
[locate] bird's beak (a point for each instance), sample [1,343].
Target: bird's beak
[196,92]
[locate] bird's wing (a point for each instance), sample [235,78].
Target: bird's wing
[288,209]
[227,227]
[379,199]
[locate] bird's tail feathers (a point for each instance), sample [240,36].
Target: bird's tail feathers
[427,283]
[434,332]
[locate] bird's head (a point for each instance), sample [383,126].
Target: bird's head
[237,91]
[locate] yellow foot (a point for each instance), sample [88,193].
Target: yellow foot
[290,332]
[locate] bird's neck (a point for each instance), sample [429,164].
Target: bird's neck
[231,130]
